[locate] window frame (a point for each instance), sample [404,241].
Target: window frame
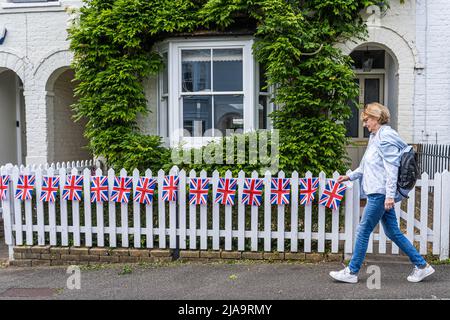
[174,49]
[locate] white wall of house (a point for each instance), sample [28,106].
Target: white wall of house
[432,83]
[8,137]
[69,143]
[35,46]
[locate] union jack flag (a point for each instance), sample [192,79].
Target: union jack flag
[145,190]
[308,187]
[252,192]
[25,186]
[170,188]
[4,182]
[73,188]
[198,190]
[121,189]
[225,191]
[50,187]
[279,191]
[332,195]
[99,189]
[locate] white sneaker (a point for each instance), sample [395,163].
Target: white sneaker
[344,276]
[418,274]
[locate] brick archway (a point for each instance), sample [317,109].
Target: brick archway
[407,60]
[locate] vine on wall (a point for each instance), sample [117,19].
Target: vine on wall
[113,45]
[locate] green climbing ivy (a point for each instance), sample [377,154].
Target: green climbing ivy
[295,40]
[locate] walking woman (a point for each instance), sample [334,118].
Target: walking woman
[378,173]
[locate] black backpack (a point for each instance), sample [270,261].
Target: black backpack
[408,172]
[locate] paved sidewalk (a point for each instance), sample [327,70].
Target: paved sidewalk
[220,281]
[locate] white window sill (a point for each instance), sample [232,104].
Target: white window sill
[26,5]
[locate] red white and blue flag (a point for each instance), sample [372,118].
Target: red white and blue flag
[50,186]
[308,187]
[226,191]
[332,195]
[121,189]
[4,183]
[198,190]
[252,192]
[73,188]
[99,189]
[170,188]
[25,186]
[279,191]
[144,190]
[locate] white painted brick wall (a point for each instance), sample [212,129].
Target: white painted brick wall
[432,86]
[68,135]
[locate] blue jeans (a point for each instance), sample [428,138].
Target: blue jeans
[373,212]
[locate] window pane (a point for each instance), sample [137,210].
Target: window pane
[228,112]
[371,94]
[165,85]
[196,69]
[197,115]
[375,58]
[262,79]
[262,112]
[352,124]
[227,69]
[164,117]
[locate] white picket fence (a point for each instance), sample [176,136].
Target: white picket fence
[68,165]
[294,227]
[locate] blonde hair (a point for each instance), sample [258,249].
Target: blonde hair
[377,111]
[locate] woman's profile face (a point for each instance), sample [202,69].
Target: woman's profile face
[371,123]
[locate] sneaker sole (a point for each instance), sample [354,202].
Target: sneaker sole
[416,281]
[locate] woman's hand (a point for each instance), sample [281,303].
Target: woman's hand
[389,203]
[342,179]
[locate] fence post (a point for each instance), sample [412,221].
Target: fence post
[335,223]
[51,211]
[40,207]
[173,214]
[136,211]
[254,221]
[182,210]
[228,218]
[349,218]
[7,210]
[445,216]
[192,218]
[294,212]
[437,194]
[87,207]
[308,218]
[149,215]
[424,213]
[241,212]
[267,213]
[281,221]
[321,219]
[63,207]
[112,225]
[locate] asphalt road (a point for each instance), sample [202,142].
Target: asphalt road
[221,281]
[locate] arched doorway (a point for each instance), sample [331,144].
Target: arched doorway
[12,119]
[376,73]
[66,140]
